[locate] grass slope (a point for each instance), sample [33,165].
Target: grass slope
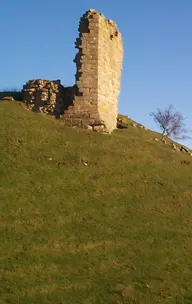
[91,218]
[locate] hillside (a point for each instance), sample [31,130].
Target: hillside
[91,218]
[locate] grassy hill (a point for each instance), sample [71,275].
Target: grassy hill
[91,218]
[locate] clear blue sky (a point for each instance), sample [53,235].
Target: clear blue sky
[37,41]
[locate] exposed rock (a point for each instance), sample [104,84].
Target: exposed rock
[99,128]
[122,122]
[182,149]
[90,128]
[186,150]
[8,98]
[175,147]
[122,125]
[138,125]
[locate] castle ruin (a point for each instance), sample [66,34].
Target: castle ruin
[93,101]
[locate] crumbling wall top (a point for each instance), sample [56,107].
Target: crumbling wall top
[92,13]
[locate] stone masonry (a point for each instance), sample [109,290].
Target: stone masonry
[93,102]
[43,95]
[99,65]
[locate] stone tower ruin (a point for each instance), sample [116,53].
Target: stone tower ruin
[93,101]
[98,75]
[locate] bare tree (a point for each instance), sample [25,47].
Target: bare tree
[171,123]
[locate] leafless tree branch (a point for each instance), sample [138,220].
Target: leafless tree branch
[171,123]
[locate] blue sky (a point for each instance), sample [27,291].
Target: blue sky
[37,41]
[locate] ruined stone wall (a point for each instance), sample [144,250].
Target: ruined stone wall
[84,111]
[110,57]
[99,64]
[93,102]
[46,96]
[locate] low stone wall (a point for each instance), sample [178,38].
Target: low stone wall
[48,97]
[42,95]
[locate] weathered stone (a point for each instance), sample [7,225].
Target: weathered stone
[174,146]
[99,65]
[99,128]
[93,101]
[48,97]
[8,98]
[186,150]
[90,128]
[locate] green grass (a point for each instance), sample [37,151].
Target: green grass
[91,218]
